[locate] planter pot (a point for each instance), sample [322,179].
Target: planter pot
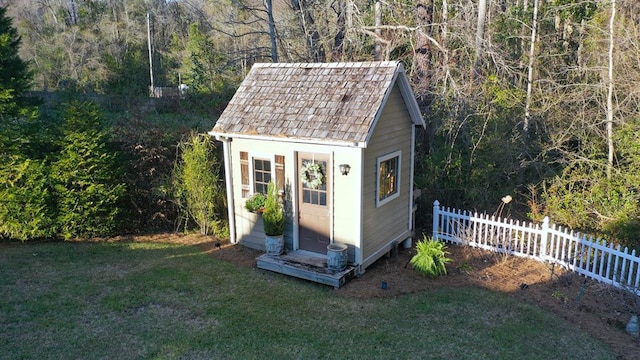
[336,257]
[274,244]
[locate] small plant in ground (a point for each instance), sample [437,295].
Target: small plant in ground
[465,268]
[559,295]
[431,258]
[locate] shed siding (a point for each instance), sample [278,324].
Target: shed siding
[346,196]
[347,201]
[389,222]
[249,228]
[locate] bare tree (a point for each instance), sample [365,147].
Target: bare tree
[422,52]
[378,31]
[610,92]
[268,5]
[312,35]
[532,53]
[481,21]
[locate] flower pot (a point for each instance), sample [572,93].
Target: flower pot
[336,257]
[274,245]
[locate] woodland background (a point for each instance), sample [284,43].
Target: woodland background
[536,99]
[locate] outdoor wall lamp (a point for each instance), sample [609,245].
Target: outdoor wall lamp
[344,169]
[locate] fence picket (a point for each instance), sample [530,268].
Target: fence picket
[582,246]
[635,265]
[603,254]
[630,267]
[575,249]
[609,256]
[617,274]
[590,262]
[577,252]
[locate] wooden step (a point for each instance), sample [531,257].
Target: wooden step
[284,265]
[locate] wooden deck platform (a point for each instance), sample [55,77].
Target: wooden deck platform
[306,267]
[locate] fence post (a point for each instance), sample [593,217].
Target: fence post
[436,216]
[544,237]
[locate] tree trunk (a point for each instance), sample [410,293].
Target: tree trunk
[445,35]
[312,36]
[532,51]
[610,93]
[338,40]
[378,31]
[482,17]
[422,54]
[73,12]
[272,30]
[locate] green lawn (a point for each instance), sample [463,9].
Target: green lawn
[133,300]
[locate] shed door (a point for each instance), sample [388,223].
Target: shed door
[314,202]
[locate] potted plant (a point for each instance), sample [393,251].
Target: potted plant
[273,220]
[255,203]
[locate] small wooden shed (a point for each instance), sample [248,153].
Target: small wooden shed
[356,122]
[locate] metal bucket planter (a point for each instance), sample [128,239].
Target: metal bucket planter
[274,244]
[336,257]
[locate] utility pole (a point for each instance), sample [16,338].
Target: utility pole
[152,88]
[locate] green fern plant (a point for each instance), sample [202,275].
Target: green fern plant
[431,257]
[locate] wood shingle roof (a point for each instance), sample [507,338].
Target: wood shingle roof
[320,102]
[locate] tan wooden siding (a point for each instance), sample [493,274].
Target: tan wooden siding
[389,221]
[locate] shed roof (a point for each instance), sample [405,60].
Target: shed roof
[314,102]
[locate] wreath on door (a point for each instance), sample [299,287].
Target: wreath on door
[311,175]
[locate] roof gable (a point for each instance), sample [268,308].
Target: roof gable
[314,102]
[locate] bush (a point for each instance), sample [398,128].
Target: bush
[87,179]
[431,258]
[26,211]
[196,187]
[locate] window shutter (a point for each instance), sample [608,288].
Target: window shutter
[244,173]
[280,171]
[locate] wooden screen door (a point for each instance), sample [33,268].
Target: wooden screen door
[313,204]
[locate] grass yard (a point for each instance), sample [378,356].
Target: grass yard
[167,301]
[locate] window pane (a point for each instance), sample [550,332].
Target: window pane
[323,198]
[387,181]
[261,175]
[306,196]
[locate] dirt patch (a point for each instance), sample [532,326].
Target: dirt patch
[597,309]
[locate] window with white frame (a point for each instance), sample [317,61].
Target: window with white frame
[261,175]
[388,181]
[257,171]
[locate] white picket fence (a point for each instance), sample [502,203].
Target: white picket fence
[593,258]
